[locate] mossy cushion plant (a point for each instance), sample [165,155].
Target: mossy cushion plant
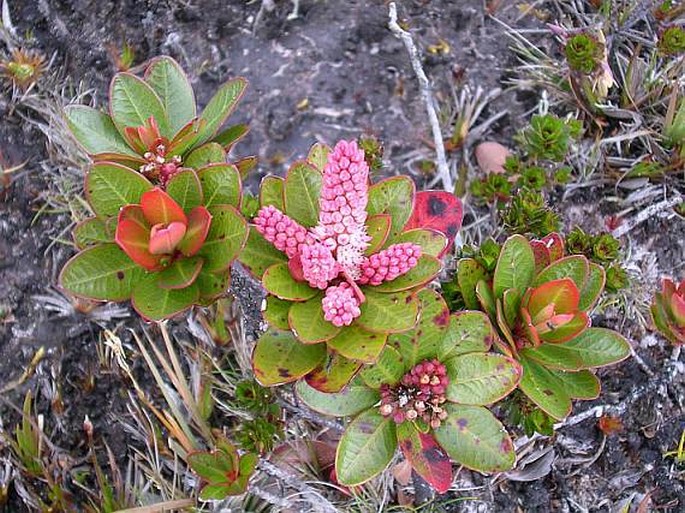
[342,262]
[166,223]
[539,301]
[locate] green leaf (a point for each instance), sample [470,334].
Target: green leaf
[481,378]
[259,254]
[301,193]
[378,228]
[333,374]
[473,437]
[307,321]
[227,138]
[594,347]
[226,237]
[220,107]
[220,185]
[358,344]
[575,267]
[593,287]
[271,192]
[469,273]
[111,186]
[155,303]
[354,398]
[132,102]
[425,340]
[544,388]
[214,467]
[365,449]
[180,274]
[486,298]
[101,272]
[185,189]
[388,313]
[579,385]
[394,196]
[426,269]
[171,84]
[212,285]
[511,304]
[276,312]
[280,358]
[432,243]
[209,153]
[388,369]
[468,332]
[95,131]
[515,266]
[278,281]
[92,231]
[318,156]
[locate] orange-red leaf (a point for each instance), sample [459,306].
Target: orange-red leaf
[165,238]
[563,293]
[426,457]
[438,210]
[133,236]
[160,208]
[199,221]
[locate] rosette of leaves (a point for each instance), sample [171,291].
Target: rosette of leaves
[668,310]
[152,124]
[584,53]
[390,406]
[223,471]
[166,222]
[300,342]
[540,302]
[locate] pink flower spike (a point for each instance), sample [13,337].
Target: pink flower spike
[318,265]
[342,205]
[281,231]
[390,263]
[340,305]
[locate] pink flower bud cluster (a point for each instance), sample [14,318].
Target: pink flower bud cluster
[342,205]
[319,266]
[340,305]
[157,166]
[420,395]
[390,263]
[284,233]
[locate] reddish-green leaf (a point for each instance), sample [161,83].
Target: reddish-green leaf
[155,303]
[394,196]
[387,313]
[563,293]
[544,388]
[271,192]
[575,267]
[280,358]
[426,457]
[333,374]
[132,102]
[301,193]
[259,254]
[388,369]
[481,378]
[515,266]
[133,236]
[354,398]
[220,107]
[110,186]
[307,321]
[180,274]
[278,281]
[171,84]
[468,332]
[472,436]
[185,189]
[226,237]
[102,272]
[378,228]
[160,208]
[593,287]
[426,269]
[469,273]
[276,312]
[432,243]
[358,344]
[220,185]
[209,153]
[579,385]
[228,137]
[366,448]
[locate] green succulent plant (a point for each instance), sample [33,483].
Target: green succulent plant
[584,53]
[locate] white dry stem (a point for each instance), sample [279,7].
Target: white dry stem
[426,95]
[645,214]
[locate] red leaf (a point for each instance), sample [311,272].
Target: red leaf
[437,210]
[426,457]
[541,253]
[563,293]
[133,236]
[199,221]
[165,238]
[555,244]
[160,208]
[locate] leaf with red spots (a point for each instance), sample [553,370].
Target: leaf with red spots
[437,210]
[426,457]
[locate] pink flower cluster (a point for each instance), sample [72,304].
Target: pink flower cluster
[335,247]
[390,263]
[420,394]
